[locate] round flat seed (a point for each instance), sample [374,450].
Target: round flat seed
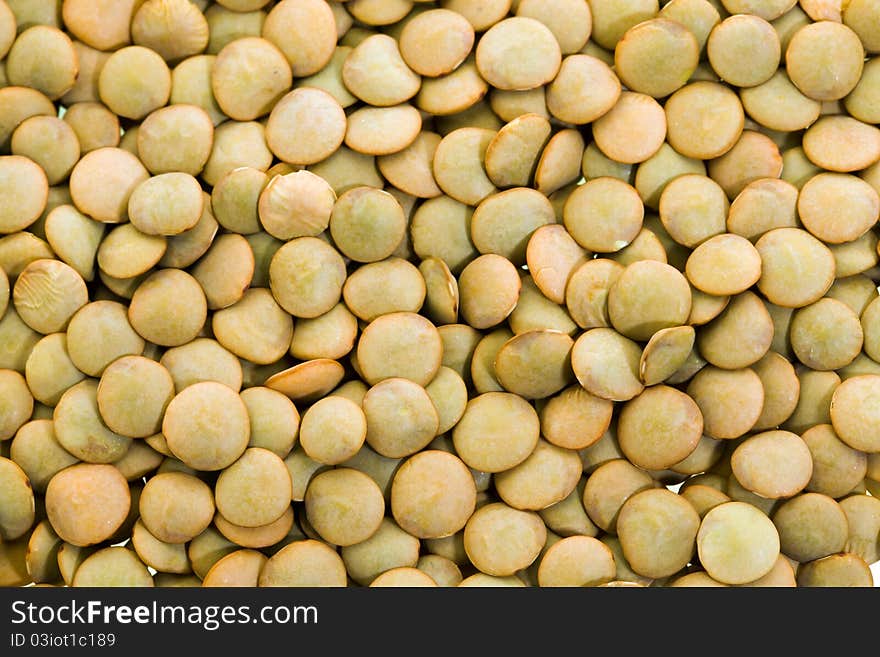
[333,430]
[744,50]
[112,567]
[132,396]
[167,204]
[838,570]
[547,476]
[255,328]
[255,490]
[126,252]
[577,561]
[399,345]
[81,430]
[47,293]
[36,450]
[535,364]
[811,526]
[169,308]
[156,554]
[17,403]
[401,418]
[95,126]
[584,90]
[657,531]
[249,77]
[659,428]
[441,294]
[296,204]
[383,130]
[503,223]
[665,353]
[842,143]
[560,162]
[389,548]
[523,535]
[724,265]
[17,515]
[238,145]
[7,29]
[781,390]
[50,142]
[552,256]
[779,105]
[497,431]
[86,503]
[43,58]
[730,401]
[569,20]
[861,102]
[854,412]
[810,326]
[648,296]
[344,506]
[102,182]
[376,72]
[435,42]
[173,28]
[604,215]
[403,577]
[238,568]
[608,487]
[307,381]
[825,60]
[837,467]
[458,165]
[797,269]
[814,402]
[838,207]
[307,274]
[512,155]
[704,120]
[693,208]
[207,426]
[754,156]
[367,224]
[773,464]
[606,364]
[24,189]
[305,31]
[633,130]
[176,507]
[761,206]
[481,15]
[223,283]
[737,543]
[134,81]
[586,293]
[103,25]
[305,563]
[98,334]
[518,53]
[305,126]
[75,238]
[863,517]
[485,306]
[698,16]
[657,56]
[410,170]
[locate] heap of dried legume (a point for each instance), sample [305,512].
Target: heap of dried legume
[455,293]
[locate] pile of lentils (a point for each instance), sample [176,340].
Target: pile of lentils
[456,293]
